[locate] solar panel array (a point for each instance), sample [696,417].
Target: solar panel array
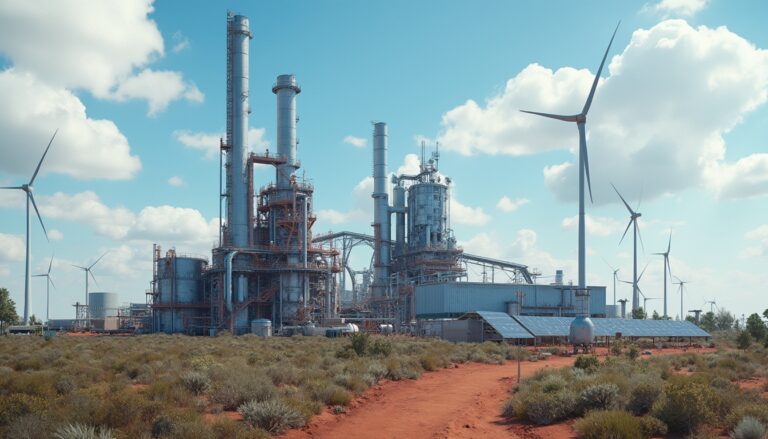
[560,327]
[505,325]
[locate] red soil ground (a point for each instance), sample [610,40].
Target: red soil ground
[462,402]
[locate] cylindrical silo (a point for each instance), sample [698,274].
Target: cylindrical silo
[101,304]
[286,88]
[427,216]
[179,307]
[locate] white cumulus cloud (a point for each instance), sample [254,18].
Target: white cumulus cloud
[357,142]
[176,181]
[668,99]
[12,248]
[509,205]
[685,8]
[209,143]
[596,225]
[159,88]
[759,236]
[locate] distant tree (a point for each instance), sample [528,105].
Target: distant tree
[743,340]
[655,315]
[691,319]
[724,320]
[708,322]
[639,313]
[756,327]
[34,320]
[8,314]
[765,314]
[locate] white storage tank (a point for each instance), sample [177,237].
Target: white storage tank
[102,304]
[261,327]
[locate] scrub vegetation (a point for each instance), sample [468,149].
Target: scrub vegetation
[626,397]
[161,386]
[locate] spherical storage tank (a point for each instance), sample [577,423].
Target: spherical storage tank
[179,283]
[582,331]
[101,305]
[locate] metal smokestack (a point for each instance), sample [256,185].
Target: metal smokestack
[381,225]
[238,35]
[286,88]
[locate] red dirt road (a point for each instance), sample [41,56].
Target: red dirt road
[462,403]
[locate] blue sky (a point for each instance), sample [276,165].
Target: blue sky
[137,90]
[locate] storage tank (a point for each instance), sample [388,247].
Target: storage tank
[102,304]
[427,216]
[179,305]
[261,327]
[582,331]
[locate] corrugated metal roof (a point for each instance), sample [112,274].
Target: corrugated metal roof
[560,327]
[502,323]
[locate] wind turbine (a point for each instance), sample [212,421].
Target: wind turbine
[632,222]
[645,304]
[88,270]
[581,120]
[615,276]
[27,188]
[712,305]
[636,287]
[682,291]
[667,268]
[49,282]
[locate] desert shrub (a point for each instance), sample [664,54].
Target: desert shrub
[360,342]
[332,394]
[633,352]
[381,347]
[587,362]
[377,370]
[163,426]
[65,385]
[430,362]
[196,382]
[30,426]
[642,397]
[553,383]
[82,431]
[743,340]
[599,396]
[238,389]
[749,428]
[652,427]
[611,424]
[351,382]
[546,408]
[273,416]
[758,411]
[229,429]
[284,374]
[18,404]
[684,406]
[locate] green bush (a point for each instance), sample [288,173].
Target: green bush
[652,427]
[633,352]
[599,397]
[81,431]
[749,428]
[546,408]
[332,394]
[587,362]
[611,424]
[757,410]
[273,416]
[18,404]
[553,384]
[196,382]
[360,342]
[642,397]
[684,406]
[239,389]
[381,347]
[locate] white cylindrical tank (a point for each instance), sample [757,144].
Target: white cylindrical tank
[286,88]
[101,304]
[261,327]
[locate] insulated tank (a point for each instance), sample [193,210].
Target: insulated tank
[180,295]
[582,331]
[101,304]
[427,215]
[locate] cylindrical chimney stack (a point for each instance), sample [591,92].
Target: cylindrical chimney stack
[381,225]
[237,203]
[286,88]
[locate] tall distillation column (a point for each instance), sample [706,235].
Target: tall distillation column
[381,211]
[237,132]
[294,285]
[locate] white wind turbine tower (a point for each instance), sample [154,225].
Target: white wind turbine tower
[49,282]
[667,269]
[27,188]
[88,270]
[615,277]
[581,121]
[632,222]
[636,285]
[682,291]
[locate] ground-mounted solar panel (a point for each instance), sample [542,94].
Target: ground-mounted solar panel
[560,327]
[502,323]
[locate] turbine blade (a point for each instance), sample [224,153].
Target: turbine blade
[583,150]
[51,281]
[97,260]
[11,187]
[82,268]
[669,267]
[669,244]
[658,254]
[641,275]
[639,235]
[606,263]
[631,212]
[552,116]
[93,277]
[50,265]
[39,275]
[597,75]
[625,232]
[43,158]
[32,197]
